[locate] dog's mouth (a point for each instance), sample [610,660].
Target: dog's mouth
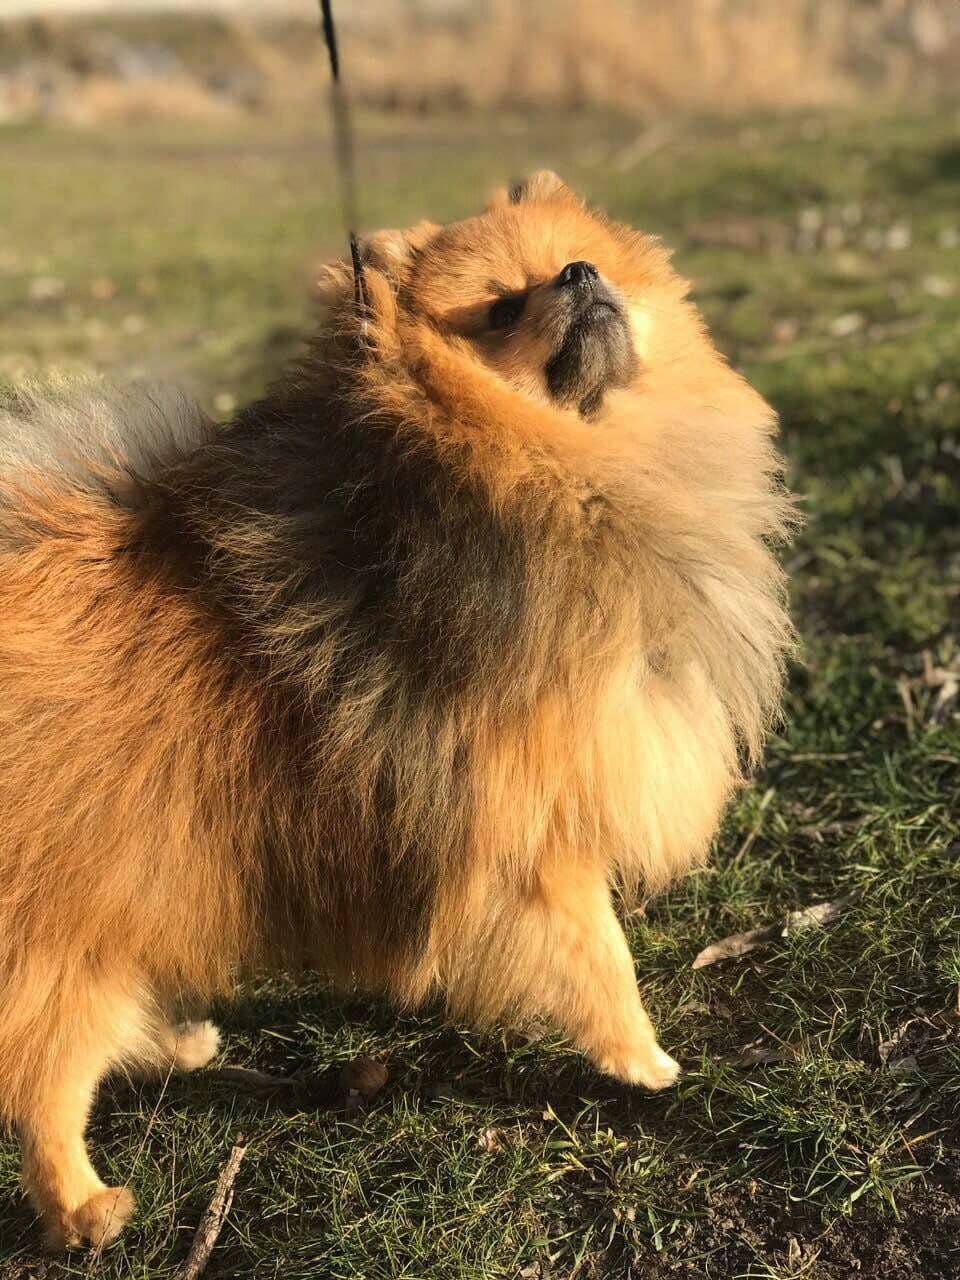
[598,309]
[595,349]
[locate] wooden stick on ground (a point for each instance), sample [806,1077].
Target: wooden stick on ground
[215,1215]
[251,1078]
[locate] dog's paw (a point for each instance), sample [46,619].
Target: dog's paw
[196,1044]
[96,1222]
[103,1216]
[646,1065]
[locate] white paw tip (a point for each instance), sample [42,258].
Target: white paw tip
[651,1068]
[666,1069]
[197,1044]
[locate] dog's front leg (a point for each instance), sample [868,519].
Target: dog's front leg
[557,949]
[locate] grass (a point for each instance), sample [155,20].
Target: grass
[825,253]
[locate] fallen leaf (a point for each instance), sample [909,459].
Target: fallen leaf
[844,325]
[761,1054]
[740,944]
[895,1054]
[764,1052]
[938,286]
[810,219]
[947,696]
[490,1140]
[524,1034]
[46,288]
[816,916]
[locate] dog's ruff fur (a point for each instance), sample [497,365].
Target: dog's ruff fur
[399,674]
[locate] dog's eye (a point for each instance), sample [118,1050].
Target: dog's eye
[507,311]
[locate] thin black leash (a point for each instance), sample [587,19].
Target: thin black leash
[343,146]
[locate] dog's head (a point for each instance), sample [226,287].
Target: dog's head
[552,298]
[542,290]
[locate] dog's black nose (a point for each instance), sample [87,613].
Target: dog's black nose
[577,274]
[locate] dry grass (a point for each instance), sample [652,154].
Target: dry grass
[105,100]
[637,56]
[627,54]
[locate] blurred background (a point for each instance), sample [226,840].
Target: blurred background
[636,56]
[166,196]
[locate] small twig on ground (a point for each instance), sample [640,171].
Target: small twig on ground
[251,1078]
[906,697]
[215,1216]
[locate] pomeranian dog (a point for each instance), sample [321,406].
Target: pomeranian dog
[471,624]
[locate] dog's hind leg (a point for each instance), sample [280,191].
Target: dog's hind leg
[558,950]
[83,1028]
[190,1045]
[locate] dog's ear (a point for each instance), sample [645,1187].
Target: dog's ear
[391,251]
[542,185]
[388,251]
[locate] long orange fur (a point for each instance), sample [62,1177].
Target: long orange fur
[217,756]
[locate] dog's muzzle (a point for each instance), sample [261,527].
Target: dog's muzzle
[595,350]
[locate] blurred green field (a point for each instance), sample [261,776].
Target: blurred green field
[815,1132]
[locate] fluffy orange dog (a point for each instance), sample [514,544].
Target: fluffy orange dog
[400,674]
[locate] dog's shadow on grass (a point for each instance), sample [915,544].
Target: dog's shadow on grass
[293,1041]
[20,1240]
[284,1049]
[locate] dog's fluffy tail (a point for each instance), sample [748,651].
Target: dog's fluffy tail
[85,430]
